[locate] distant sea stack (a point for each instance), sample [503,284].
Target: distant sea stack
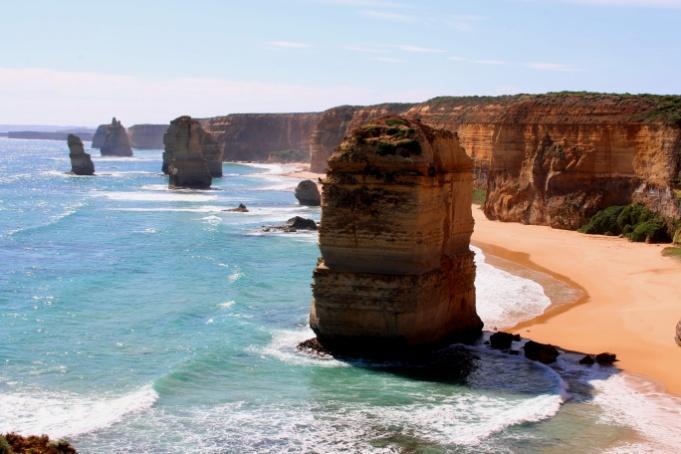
[307,193]
[116,142]
[147,137]
[396,270]
[81,163]
[184,160]
[100,136]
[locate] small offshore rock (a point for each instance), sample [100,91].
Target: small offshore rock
[307,193]
[240,209]
[34,444]
[606,359]
[588,360]
[502,341]
[544,353]
[293,225]
[312,346]
[81,162]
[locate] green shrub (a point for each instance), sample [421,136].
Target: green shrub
[479,196]
[5,448]
[396,122]
[634,222]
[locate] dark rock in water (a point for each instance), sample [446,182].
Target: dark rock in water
[100,136]
[544,353]
[33,444]
[313,346]
[293,225]
[588,360]
[81,163]
[307,193]
[240,209]
[187,167]
[117,142]
[502,341]
[606,359]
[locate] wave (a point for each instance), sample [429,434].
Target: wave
[139,196]
[69,210]
[201,209]
[61,414]
[503,299]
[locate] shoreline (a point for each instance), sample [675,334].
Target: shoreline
[629,302]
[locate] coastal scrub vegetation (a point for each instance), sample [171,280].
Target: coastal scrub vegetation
[291,155]
[634,222]
[479,196]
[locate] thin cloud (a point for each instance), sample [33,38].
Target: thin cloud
[420,50]
[288,44]
[388,16]
[676,4]
[365,49]
[390,60]
[552,67]
[490,62]
[362,3]
[454,58]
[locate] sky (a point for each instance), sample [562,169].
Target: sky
[80,62]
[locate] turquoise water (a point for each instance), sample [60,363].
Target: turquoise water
[138,319]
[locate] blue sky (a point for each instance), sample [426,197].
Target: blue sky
[80,62]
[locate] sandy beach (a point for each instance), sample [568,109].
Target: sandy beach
[631,301]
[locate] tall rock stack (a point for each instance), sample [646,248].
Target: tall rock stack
[81,163]
[186,165]
[209,147]
[116,142]
[396,270]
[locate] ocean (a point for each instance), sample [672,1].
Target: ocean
[134,318]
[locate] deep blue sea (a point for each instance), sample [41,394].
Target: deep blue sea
[134,318]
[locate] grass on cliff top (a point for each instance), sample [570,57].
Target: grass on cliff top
[663,108]
[672,252]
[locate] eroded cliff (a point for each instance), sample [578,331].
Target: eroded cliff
[252,137]
[396,269]
[147,136]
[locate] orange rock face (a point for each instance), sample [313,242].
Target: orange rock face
[396,268]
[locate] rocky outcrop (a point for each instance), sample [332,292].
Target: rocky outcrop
[334,124]
[307,193]
[187,167]
[116,142]
[553,159]
[206,145]
[13,443]
[146,136]
[396,269]
[294,224]
[100,136]
[252,137]
[81,163]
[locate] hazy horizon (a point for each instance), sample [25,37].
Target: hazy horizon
[80,63]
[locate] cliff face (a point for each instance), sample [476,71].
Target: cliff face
[252,137]
[396,268]
[552,159]
[147,136]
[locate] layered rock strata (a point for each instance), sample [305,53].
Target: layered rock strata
[252,137]
[396,270]
[81,162]
[307,193]
[146,136]
[186,165]
[116,142]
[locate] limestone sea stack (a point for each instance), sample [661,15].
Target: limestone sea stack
[396,271]
[116,142]
[307,193]
[186,165]
[209,147]
[81,163]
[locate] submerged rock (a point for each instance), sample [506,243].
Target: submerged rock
[240,209]
[307,193]
[187,167]
[544,353]
[606,359]
[116,141]
[396,271]
[293,225]
[81,162]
